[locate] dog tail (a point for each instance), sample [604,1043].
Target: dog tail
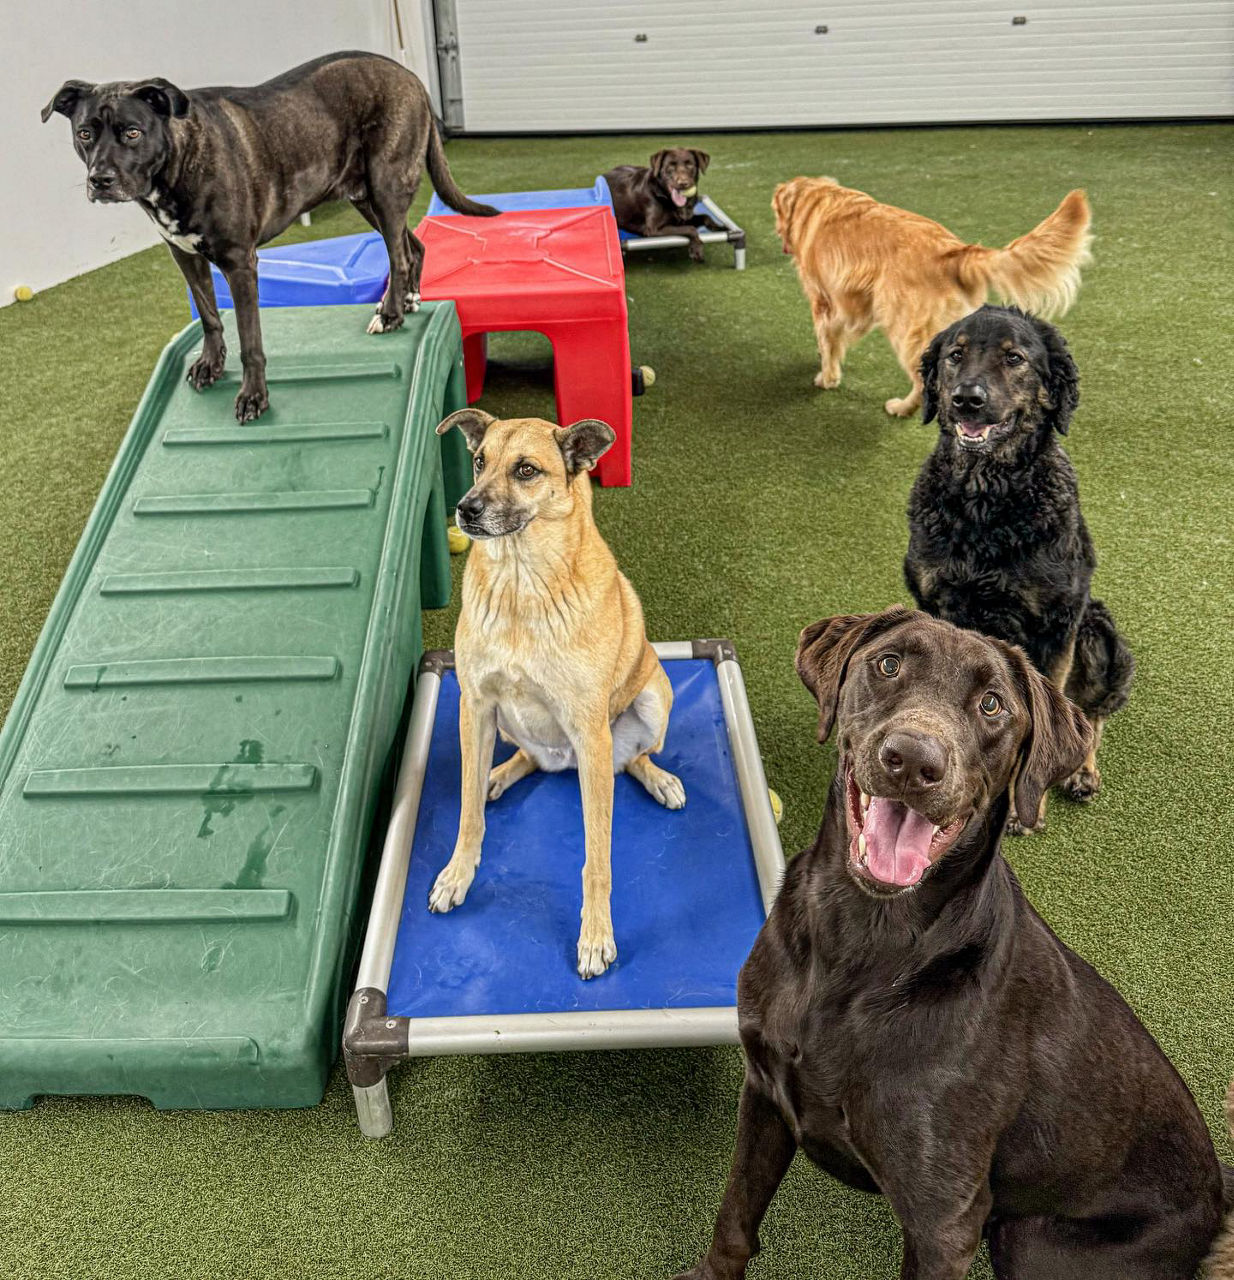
[1039,272]
[1102,669]
[1220,1264]
[443,179]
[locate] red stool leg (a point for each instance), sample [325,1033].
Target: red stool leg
[591,374]
[475,360]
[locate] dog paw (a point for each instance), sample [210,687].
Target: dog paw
[206,370]
[450,887]
[696,255]
[381,323]
[667,789]
[902,408]
[412,302]
[1083,785]
[1016,828]
[250,405]
[595,953]
[827,381]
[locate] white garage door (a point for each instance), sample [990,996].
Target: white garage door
[581,65]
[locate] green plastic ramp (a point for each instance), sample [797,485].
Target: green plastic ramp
[191,765]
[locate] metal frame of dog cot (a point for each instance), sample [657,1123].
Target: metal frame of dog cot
[374,1042]
[732,234]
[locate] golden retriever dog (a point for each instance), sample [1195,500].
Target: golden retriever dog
[863,264]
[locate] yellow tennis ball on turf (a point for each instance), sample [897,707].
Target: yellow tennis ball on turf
[459,541]
[777,805]
[23,293]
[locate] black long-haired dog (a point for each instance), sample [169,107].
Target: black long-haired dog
[996,539]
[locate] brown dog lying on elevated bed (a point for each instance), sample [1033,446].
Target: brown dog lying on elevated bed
[660,200]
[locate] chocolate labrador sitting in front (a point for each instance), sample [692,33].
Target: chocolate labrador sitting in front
[659,200]
[913,1024]
[221,171]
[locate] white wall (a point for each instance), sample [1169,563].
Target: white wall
[48,230]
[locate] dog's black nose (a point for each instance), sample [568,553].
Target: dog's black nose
[100,181]
[471,507]
[916,759]
[970,396]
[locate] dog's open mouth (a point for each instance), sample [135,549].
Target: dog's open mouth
[975,435]
[891,846]
[679,198]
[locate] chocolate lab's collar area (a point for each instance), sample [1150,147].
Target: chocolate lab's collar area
[758,505]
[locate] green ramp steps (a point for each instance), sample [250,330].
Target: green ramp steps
[192,763]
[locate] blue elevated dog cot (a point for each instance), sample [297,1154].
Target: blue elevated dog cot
[691,888]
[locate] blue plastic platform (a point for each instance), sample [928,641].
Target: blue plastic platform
[517,201]
[679,878]
[316,273]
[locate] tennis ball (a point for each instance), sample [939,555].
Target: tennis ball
[777,805]
[23,293]
[459,541]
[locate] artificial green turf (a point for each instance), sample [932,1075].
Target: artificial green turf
[759,504]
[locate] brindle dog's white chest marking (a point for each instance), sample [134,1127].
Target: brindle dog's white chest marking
[167,226]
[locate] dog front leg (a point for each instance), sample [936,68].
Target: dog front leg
[696,245]
[941,1243]
[593,748]
[254,398]
[477,734]
[765,1148]
[208,367]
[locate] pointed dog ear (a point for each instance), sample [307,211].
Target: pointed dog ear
[1058,740]
[929,377]
[824,649]
[701,159]
[161,96]
[1062,381]
[584,443]
[473,423]
[64,101]
[657,163]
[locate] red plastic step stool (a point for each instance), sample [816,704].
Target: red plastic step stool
[553,271]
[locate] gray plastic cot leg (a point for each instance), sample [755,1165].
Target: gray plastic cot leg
[373,1109]
[739,257]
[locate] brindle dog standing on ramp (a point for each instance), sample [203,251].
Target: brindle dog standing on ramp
[222,170]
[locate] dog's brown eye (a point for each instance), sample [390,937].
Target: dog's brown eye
[525,471]
[132,134]
[955,356]
[1014,357]
[888,664]
[478,465]
[991,704]
[84,134]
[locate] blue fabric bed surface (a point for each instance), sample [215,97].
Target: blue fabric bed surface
[686,904]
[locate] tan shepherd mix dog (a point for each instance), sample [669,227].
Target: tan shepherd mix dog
[863,264]
[550,650]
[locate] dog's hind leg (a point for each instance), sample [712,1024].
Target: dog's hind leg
[838,323]
[1085,782]
[639,733]
[415,257]
[519,765]
[909,345]
[386,209]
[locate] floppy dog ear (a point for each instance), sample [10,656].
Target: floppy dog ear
[657,163]
[162,97]
[701,160]
[824,649]
[1058,739]
[64,101]
[584,443]
[1062,383]
[929,377]
[473,423]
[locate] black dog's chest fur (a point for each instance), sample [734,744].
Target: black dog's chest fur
[1001,548]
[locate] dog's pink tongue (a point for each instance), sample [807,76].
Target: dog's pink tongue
[897,842]
[679,197]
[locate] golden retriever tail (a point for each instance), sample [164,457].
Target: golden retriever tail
[1220,1264]
[1039,272]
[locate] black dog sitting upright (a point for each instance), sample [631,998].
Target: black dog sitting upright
[914,1026]
[996,538]
[659,199]
[222,170]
